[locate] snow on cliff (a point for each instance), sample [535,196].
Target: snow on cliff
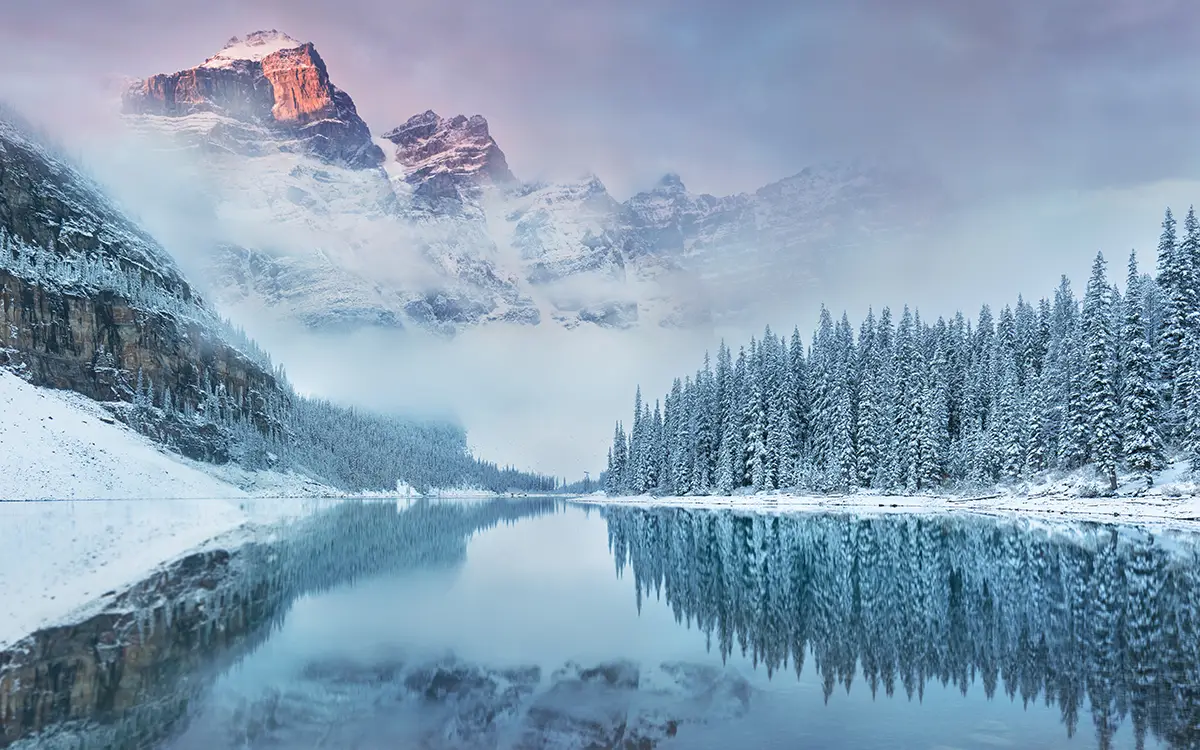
[254,48]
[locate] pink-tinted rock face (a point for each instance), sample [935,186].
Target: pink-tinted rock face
[300,84]
[288,90]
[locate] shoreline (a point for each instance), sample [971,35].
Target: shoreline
[1182,511]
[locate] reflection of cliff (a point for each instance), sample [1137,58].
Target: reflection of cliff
[1104,614]
[449,704]
[124,678]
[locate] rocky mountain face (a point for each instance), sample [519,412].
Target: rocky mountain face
[91,303]
[318,225]
[268,80]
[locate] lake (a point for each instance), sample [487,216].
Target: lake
[540,623]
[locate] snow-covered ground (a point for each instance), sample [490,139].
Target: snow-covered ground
[1149,509]
[59,445]
[62,555]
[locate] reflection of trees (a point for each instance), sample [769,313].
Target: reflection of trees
[1091,617]
[126,677]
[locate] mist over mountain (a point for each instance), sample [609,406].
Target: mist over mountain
[300,191]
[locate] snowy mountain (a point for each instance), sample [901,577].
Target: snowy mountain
[92,303]
[315,222]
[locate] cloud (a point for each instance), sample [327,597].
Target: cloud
[1075,118]
[730,95]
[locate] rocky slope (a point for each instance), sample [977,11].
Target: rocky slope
[91,303]
[316,224]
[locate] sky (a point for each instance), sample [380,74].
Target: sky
[1076,119]
[729,95]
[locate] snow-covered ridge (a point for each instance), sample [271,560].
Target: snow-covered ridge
[253,48]
[522,253]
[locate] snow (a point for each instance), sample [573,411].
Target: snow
[59,557]
[253,48]
[61,561]
[61,445]
[1153,510]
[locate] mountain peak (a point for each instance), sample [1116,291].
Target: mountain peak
[670,182]
[256,46]
[299,104]
[429,145]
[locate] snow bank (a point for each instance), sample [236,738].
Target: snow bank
[59,556]
[61,445]
[1142,510]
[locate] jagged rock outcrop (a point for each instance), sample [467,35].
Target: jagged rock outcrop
[461,147]
[268,80]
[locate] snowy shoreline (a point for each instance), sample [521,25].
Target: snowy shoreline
[1183,511]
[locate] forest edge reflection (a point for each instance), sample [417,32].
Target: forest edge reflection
[1082,615]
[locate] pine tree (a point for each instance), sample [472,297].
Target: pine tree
[800,400]
[1176,278]
[705,411]
[1099,394]
[867,427]
[1037,446]
[755,416]
[1142,442]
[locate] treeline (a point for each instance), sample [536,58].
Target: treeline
[912,405]
[347,448]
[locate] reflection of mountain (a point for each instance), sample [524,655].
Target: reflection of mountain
[1101,614]
[125,677]
[448,704]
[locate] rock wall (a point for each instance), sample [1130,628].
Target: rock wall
[96,345]
[288,91]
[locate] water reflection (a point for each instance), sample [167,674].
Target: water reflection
[1093,619]
[126,677]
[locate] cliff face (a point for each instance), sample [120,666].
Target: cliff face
[90,303]
[269,80]
[100,344]
[428,145]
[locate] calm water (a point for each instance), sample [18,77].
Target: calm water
[542,625]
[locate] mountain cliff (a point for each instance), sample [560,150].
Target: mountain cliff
[270,81]
[91,303]
[316,223]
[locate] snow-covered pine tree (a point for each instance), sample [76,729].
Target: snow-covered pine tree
[1143,447]
[1099,389]
[800,399]
[781,409]
[615,480]
[867,443]
[757,468]
[1009,426]
[735,425]
[1175,278]
[906,383]
[705,408]
[842,423]
[1037,445]
[637,449]
[885,386]
[655,458]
